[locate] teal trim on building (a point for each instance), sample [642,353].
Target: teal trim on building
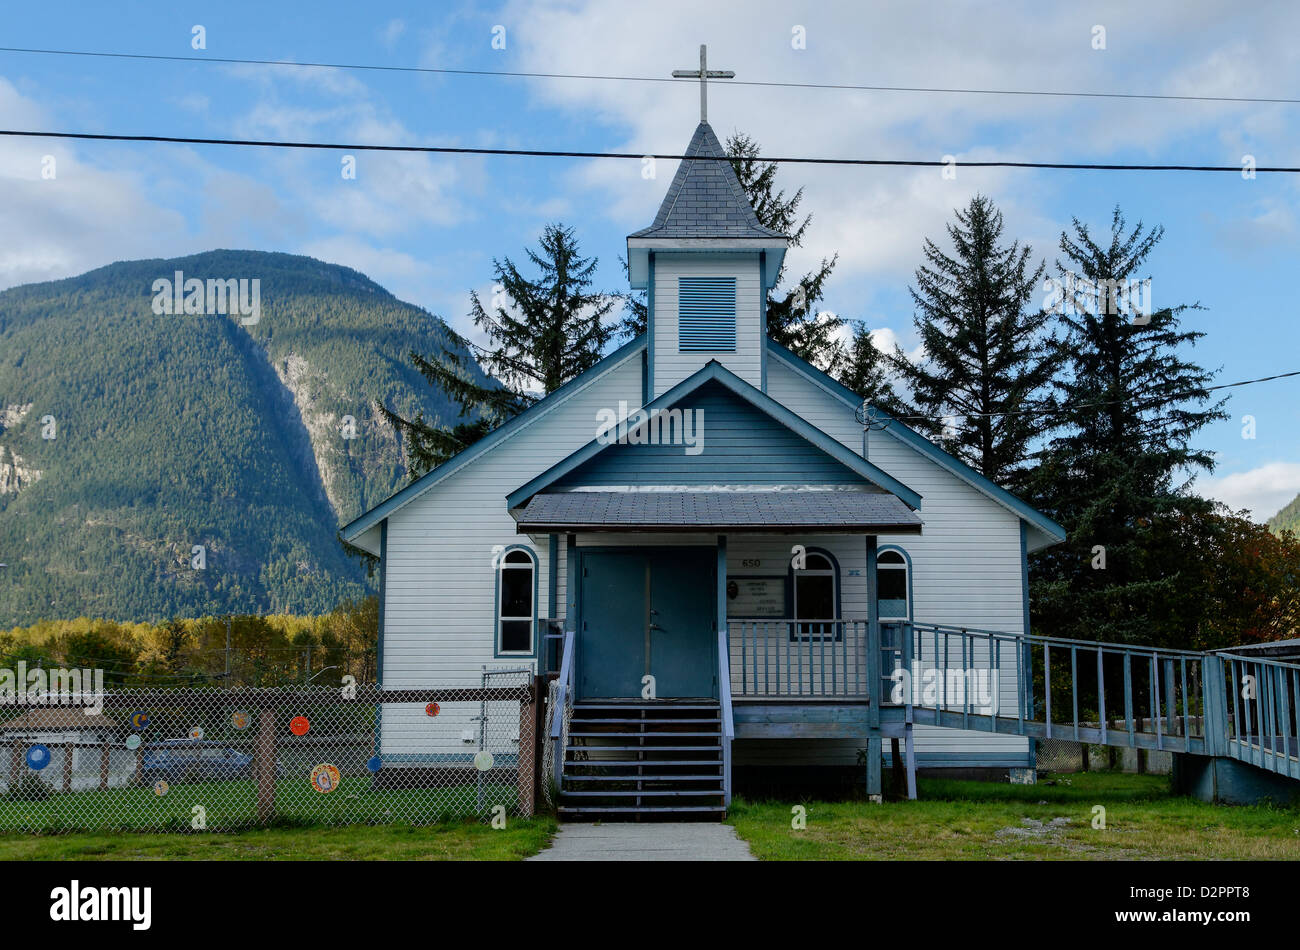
[379,636]
[922,445]
[1024,591]
[836,590]
[716,372]
[762,321]
[732,439]
[649,388]
[496,604]
[907,560]
[412,491]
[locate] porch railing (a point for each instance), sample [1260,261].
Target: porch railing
[563,707]
[793,659]
[550,644]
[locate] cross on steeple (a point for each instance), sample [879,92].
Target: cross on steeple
[704,74]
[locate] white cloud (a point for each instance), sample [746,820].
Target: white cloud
[1263,491]
[389,33]
[876,218]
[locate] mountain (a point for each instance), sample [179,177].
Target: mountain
[128,437]
[1288,518]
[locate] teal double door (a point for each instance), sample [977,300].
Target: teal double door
[648,612]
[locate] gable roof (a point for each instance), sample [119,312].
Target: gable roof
[714,371]
[924,446]
[705,199]
[399,499]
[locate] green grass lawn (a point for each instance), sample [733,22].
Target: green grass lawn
[1049,821]
[464,840]
[233,805]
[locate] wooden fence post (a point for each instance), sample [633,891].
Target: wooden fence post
[264,765]
[541,698]
[69,750]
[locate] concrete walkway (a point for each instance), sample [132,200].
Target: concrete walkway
[647,841]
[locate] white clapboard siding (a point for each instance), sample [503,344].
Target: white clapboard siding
[966,563]
[439,583]
[670,366]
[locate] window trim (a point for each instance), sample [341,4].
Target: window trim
[535,567]
[875,582]
[836,591]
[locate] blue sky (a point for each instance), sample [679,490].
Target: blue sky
[427,227]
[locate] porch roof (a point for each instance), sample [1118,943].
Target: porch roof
[772,511]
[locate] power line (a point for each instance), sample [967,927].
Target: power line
[597,77]
[664,156]
[864,413]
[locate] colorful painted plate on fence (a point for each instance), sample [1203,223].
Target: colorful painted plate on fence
[374,763]
[139,719]
[160,788]
[133,742]
[240,719]
[483,760]
[299,725]
[432,709]
[324,778]
[196,732]
[38,756]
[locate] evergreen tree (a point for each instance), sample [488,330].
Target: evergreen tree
[792,317]
[865,370]
[1132,404]
[981,386]
[541,332]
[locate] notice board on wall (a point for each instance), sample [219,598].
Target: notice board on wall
[750,597]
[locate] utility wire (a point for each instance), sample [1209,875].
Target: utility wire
[864,413]
[555,153]
[594,77]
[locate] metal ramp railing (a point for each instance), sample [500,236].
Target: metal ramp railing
[1046,687]
[1142,697]
[1261,712]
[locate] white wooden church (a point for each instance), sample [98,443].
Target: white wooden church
[718,558]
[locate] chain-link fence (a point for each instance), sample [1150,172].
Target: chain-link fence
[182,759]
[1064,755]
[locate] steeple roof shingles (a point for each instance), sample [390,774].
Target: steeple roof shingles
[705,199]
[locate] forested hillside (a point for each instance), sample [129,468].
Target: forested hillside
[128,437]
[1288,519]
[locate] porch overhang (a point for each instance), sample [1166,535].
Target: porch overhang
[775,511]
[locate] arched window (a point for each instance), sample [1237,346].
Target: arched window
[516,602]
[815,596]
[893,585]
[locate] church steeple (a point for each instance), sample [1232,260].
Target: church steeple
[707,263]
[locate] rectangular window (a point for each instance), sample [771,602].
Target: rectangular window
[706,314]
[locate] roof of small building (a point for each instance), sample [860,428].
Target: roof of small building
[63,718]
[705,199]
[770,510]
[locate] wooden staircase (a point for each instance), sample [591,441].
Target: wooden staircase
[644,761]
